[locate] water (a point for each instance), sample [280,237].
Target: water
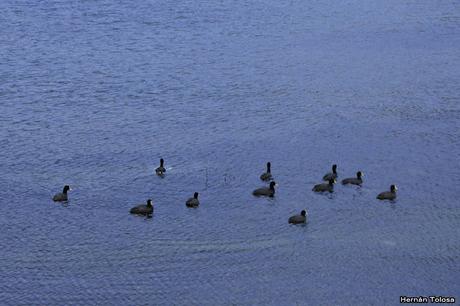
[93,93]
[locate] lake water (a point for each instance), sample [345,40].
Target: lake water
[94,93]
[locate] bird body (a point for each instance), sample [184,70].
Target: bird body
[193,202]
[267,176]
[143,209]
[324,186]
[299,219]
[161,169]
[265,191]
[331,175]
[62,196]
[358,180]
[388,195]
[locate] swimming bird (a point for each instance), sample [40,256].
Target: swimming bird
[193,202]
[388,195]
[143,209]
[266,176]
[358,180]
[265,191]
[62,196]
[331,175]
[298,219]
[325,186]
[161,170]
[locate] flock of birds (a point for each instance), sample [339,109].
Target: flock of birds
[193,202]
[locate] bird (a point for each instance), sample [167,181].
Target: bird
[299,219]
[266,176]
[325,186]
[193,202]
[265,191]
[358,180]
[331,175]
[62,196]
[388,195]
[143,209]
[161,170]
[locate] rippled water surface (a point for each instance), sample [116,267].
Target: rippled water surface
[93,93]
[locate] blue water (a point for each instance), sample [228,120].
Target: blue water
[93,93]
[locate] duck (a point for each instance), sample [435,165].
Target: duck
[325,186]
[267,176]
[299,219]
[161,170]
[193,202]
[62,196]
[265,191]
[388,195]
[143,209]
[358,180]
[331,175]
